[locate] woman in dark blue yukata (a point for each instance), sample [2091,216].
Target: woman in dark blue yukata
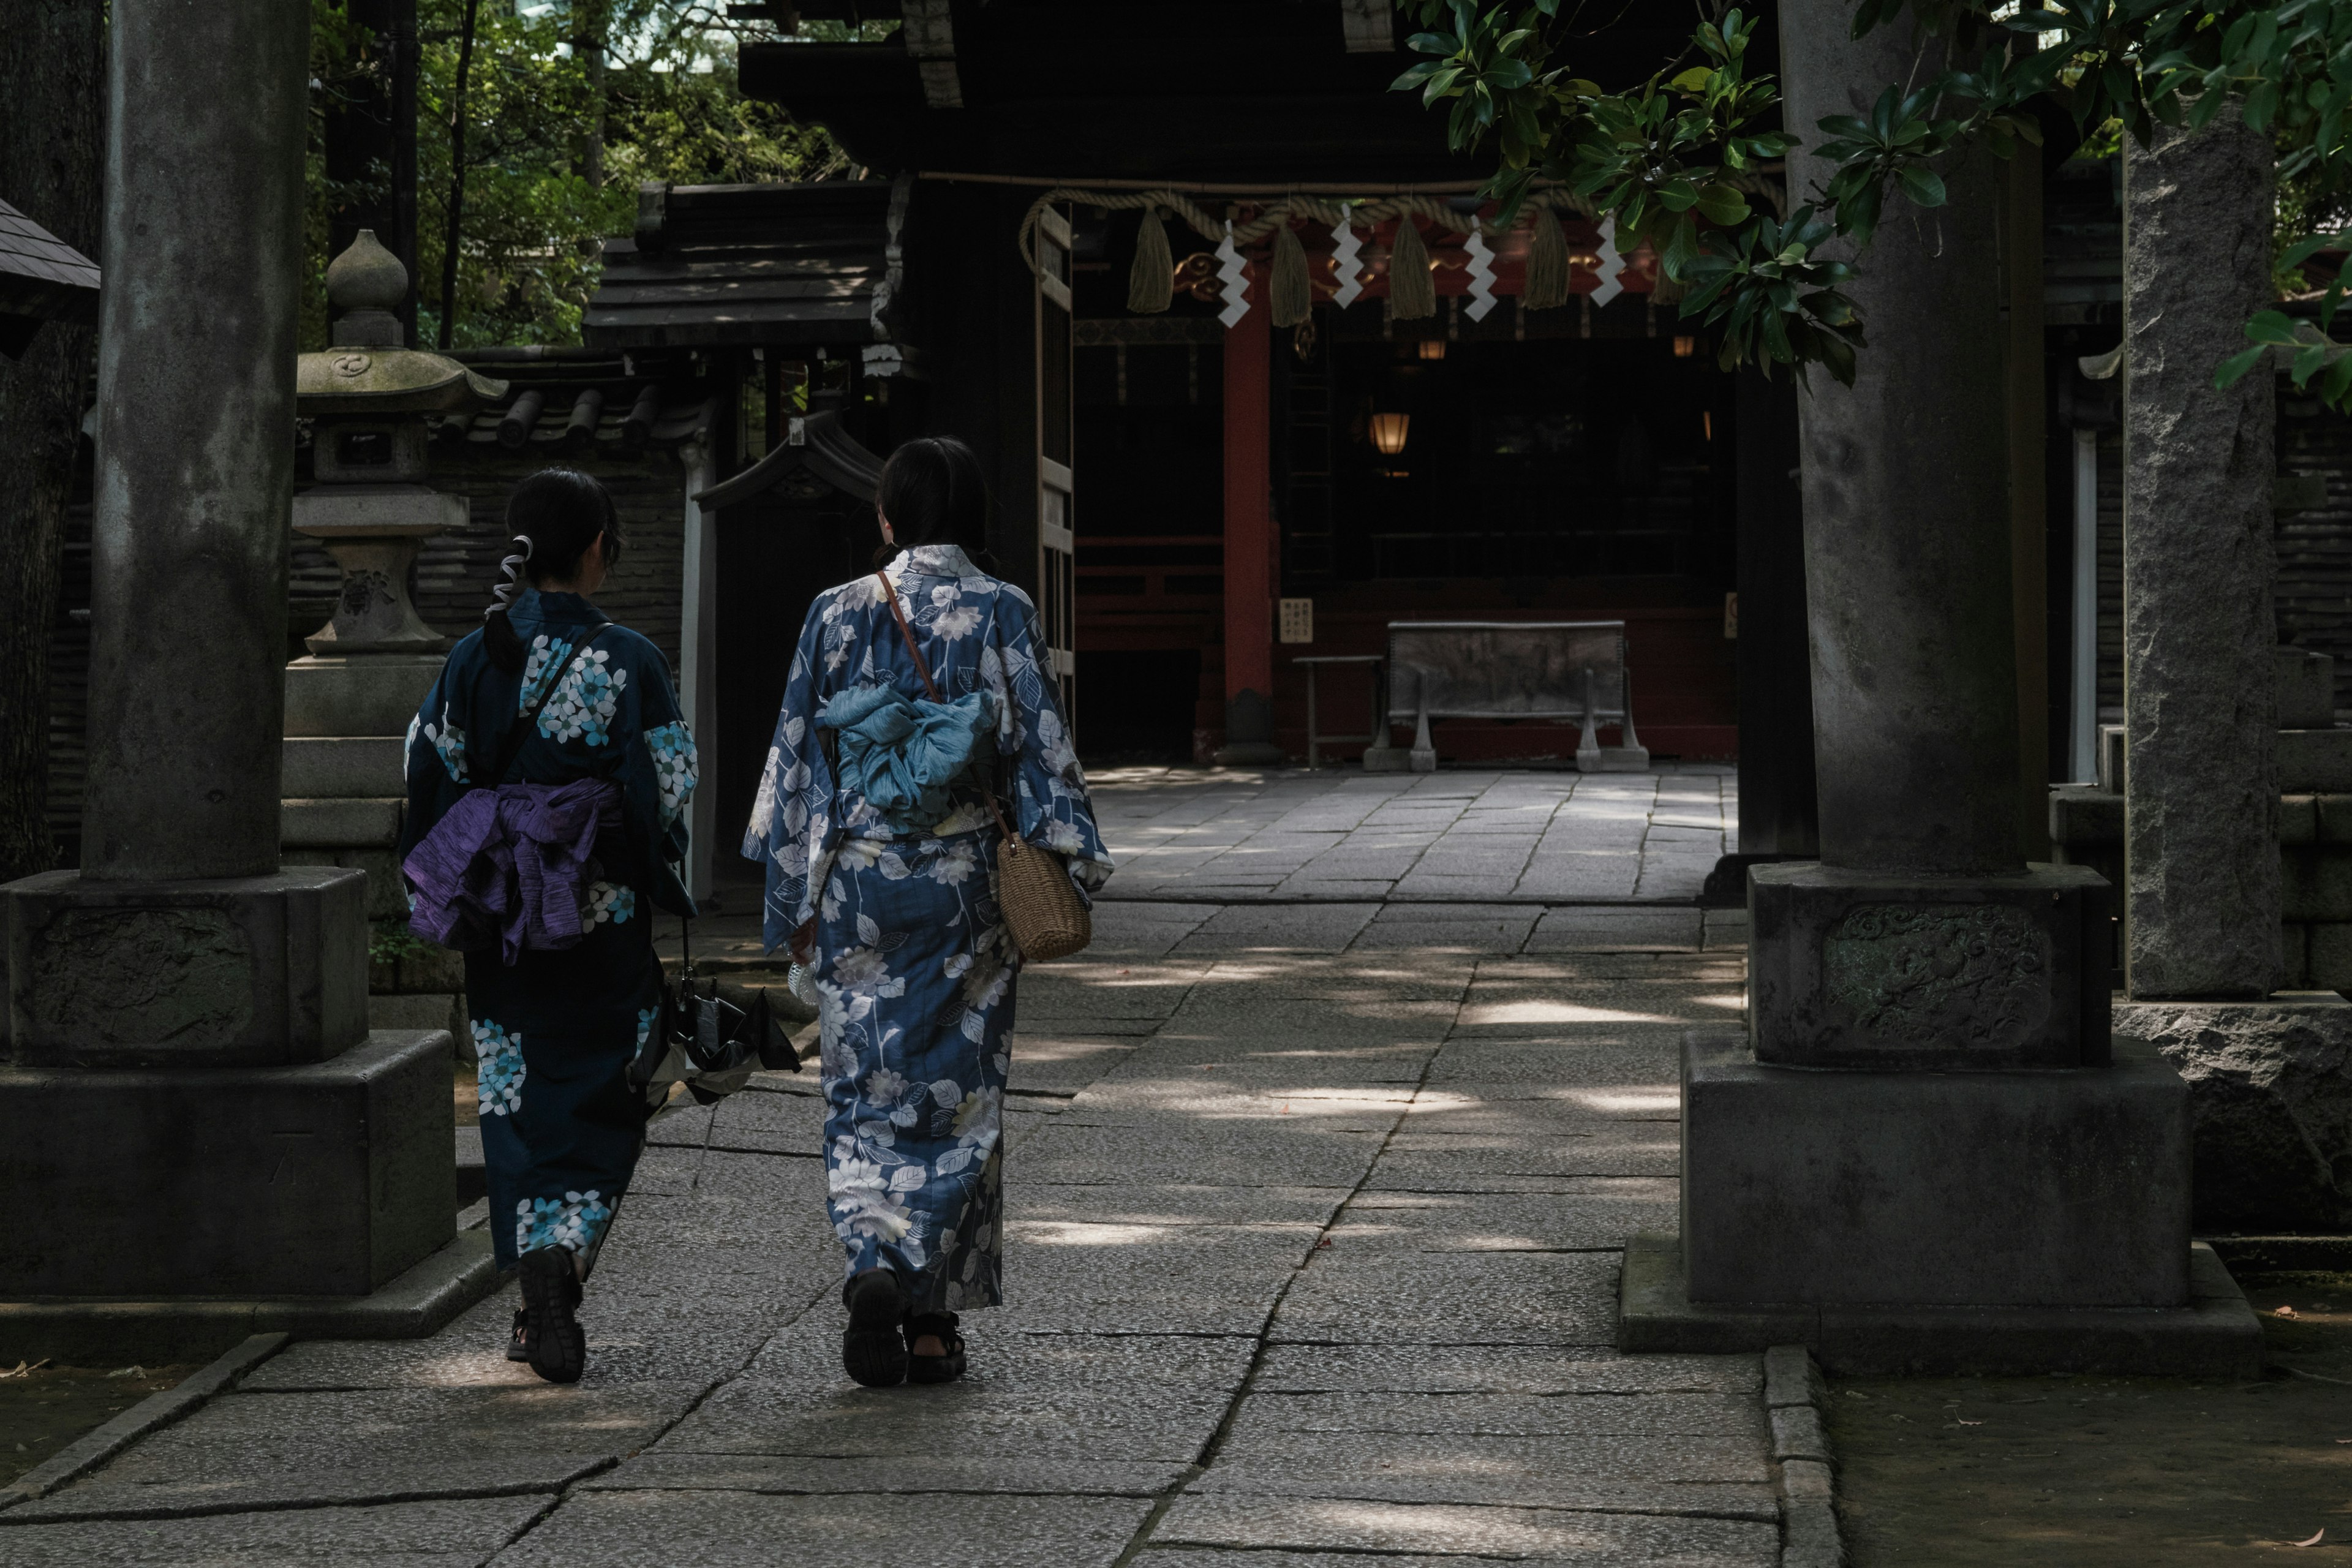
[550,694]
[880,847]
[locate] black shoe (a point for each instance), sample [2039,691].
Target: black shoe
[872,1352]
[550,1295]
[519,1347]
[946,1368]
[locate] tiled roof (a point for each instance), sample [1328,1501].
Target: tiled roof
[40,275]
[736,265]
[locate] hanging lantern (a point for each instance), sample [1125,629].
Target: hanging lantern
[1431,348]
[1389,432]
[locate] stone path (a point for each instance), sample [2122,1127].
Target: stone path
[1235,836]
[1314,1218]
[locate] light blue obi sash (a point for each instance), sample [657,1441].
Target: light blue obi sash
[902,755]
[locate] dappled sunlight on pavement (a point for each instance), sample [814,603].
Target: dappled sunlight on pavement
[1312,1244]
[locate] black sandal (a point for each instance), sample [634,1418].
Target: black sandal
[872,1352]
[519,1347]
[550,1298]
[940,1326]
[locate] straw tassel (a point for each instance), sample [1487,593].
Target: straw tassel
[1291,297]
[1411,294]
[1151,281]
[1547,285]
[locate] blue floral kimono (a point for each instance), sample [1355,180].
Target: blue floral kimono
[915,968]
[555,1033]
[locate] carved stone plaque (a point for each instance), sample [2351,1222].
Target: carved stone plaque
[173,978]
[1940,975]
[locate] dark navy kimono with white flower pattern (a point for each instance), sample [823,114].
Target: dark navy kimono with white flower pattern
[915,968]
[555,1033]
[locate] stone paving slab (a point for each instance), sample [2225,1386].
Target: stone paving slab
[1720,1476]
[1484,1299]
[447,1534]
[1033,1467]
[280,1451]
[667,1528]
[1527,1370]
[1665,1418]
[1210,1557]
[1507,1222]
[1325,1525]
[1235,836]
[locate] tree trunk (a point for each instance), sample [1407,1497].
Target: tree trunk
[52,54]
[594,47]
[456,232]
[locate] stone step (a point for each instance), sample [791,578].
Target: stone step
[340,824]
[344,767]
[358,694]
[473,1175]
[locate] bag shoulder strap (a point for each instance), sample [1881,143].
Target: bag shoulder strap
[890,597]
[512,750]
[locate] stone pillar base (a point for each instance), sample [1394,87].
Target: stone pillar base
[94,1331]
[1970,1189]
[238,972]
[1249,733]
[1869,969]
[329,1179]
[2270,1104]
[2215,1336]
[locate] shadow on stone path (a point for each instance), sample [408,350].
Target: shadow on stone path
[1314,1228]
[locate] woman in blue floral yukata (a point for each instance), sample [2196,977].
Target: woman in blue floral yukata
[880,850]
[551,696]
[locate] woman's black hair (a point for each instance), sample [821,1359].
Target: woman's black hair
[554,515]
[933,492]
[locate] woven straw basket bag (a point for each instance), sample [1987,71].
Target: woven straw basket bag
[1048,919]
[1041,907]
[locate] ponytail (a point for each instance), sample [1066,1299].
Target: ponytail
[499,639]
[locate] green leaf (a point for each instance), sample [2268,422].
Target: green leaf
[2309,245]
[2271,327]
[1724,204]
[1924,186]
[2339,381]
[1693,80]
[1678,195]
[2309,361]
[2237,365]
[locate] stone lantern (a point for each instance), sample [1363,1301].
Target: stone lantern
[370,396]
[371,400]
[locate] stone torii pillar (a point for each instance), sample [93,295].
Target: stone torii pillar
[1923,1153]
[2200,696]
[195,1122]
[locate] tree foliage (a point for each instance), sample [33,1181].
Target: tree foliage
[567,108]
[1676,158]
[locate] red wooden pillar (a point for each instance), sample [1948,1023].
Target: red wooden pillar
[1249,537]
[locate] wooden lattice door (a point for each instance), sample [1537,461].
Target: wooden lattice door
[1057,537]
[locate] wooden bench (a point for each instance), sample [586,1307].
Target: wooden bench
[1573,671]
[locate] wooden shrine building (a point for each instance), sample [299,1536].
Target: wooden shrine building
[1173,472]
